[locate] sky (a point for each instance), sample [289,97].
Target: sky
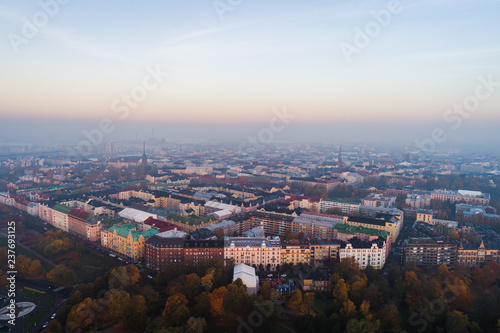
[217,69]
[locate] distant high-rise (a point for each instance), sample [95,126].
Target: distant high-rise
[144,157]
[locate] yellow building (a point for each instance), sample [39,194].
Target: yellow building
[425,215]
[126,240]
[324,252]
[471,254]
[294,252]
[392,225]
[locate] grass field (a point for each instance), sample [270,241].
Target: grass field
[97,261]
[34,318]
[47,301]
[29,293]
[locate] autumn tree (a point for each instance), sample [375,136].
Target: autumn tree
[236,298]
[196,325]
[341,291]
[136,313]
[192,286]
[348,310]
[81,316]
[202,306]
[307,303]
[266,290]
[362,326]
[172,304]
[296,299]
[123,277]
[216,299]
[61,274]
[458,322]
[208,280]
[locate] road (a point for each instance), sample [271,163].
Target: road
[396,255]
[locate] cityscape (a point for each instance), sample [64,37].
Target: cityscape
[233,166]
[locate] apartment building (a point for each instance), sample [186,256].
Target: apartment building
[253,251]
[346,207]
[324,251]
[371,253]
[295,251]
[427,251]
[465,196]
[126,240]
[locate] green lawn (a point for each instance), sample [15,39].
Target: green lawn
[47,301]
[34,318]
[29,293]
[83,273]
[97,261]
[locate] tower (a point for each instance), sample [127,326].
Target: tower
[144,157]
[340,163]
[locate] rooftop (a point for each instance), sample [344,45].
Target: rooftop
[126,229]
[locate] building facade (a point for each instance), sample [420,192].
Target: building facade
[371,253]
[126,240]
[253,251]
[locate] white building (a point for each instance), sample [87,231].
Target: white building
[365,253]
[347,208]
[248,277]
[136,215]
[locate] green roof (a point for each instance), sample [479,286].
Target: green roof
[125,229]
[62,208]
[352,230]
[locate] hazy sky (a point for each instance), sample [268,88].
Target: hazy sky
[232,62]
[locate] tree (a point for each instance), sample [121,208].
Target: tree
[458,322]
[340,291]
[236,298]
[124,276]
[348,310]
[81,316]
[192,286]
[216,299]
[208,280]
[266,290]
[296,299]
[174,302]
[180,316]
[119,303]
[203,308]
[390,318]
[363,326]
[196,325]
[61,274]
[307,303]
